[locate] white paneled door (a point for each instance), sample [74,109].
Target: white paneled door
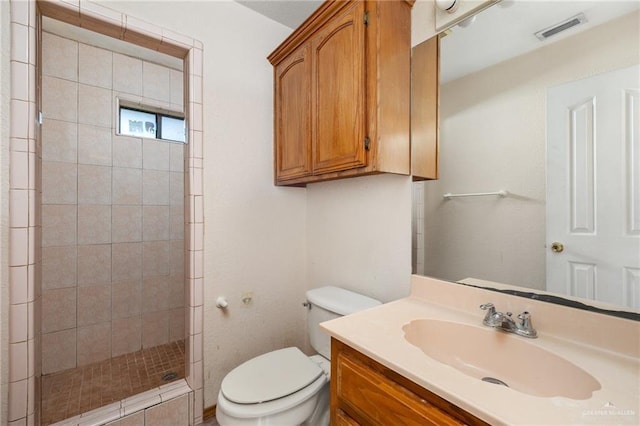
[593,188]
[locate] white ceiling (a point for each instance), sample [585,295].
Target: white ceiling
[288,12]
[500,32]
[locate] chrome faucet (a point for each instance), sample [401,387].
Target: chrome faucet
[504,321]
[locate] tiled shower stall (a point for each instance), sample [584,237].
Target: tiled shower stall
[73,212]
[112,208]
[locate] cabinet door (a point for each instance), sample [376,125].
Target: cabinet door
[338,92]
[293,115]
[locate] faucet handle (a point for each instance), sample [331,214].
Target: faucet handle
[525,328]
[492,318]
[486,306]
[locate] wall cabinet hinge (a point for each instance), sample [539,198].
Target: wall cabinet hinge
[367,143]
[366,17]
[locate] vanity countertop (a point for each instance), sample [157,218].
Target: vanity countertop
[606,347]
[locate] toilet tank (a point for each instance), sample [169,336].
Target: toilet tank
[327,303]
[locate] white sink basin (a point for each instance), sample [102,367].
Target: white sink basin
[500,358]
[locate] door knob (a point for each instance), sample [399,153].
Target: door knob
[557,247]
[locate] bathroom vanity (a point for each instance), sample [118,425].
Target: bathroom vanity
[364,391]
[425,359]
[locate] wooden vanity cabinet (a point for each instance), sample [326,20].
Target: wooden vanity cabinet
[364,392]
[342,93]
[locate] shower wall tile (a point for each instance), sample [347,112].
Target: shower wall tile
[177,88]
[94,343]
[59,183]
[18,285]
[59,225]
[127,74]
[19,114]
[155,258]
[20,43]
[126,335]
[156,155]
[19,209]
[156,82]
[155,187]
[94,145]
[127,186]
[58,309]
[58,351]
[18,328]
[126,299]
[94,106]
[127,152]
[19,176]
[58,267]
[155,329]
[94,264]
[59,57]
[19,81]
[136,419]
[176,292]
[176,324]
[94,305]
[18,369]
[94,224]
[59,141]
[177,157]
[95,66]
[94,184]
[176,225]
[127,224]
[155,223]
[126,262]
[177,258]
[172,413]
[60,99]
[155,293]
[176,188]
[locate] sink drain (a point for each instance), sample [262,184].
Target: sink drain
[494,381]
[171,375]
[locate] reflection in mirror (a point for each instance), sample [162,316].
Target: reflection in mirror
[554,123]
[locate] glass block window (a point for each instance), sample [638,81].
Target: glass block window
[148,124]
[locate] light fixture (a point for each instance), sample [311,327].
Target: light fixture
[448,6]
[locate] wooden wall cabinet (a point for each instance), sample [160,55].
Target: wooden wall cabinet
[425,97]
[364,392]
[342,93]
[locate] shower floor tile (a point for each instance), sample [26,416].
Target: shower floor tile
[78,390]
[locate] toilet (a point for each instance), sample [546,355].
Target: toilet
[285,386]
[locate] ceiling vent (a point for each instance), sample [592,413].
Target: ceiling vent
[561,26]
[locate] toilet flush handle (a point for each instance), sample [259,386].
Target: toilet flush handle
[307,304]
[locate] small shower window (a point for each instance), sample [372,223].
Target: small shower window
[150,124]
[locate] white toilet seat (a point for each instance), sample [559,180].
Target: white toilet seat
[284,403]
[247,411]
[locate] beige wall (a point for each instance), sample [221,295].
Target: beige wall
[112,278]
[492,136]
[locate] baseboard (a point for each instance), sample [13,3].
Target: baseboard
[209,413]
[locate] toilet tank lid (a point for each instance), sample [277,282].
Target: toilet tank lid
[339,300]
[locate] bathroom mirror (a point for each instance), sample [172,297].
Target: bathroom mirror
[529,175]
